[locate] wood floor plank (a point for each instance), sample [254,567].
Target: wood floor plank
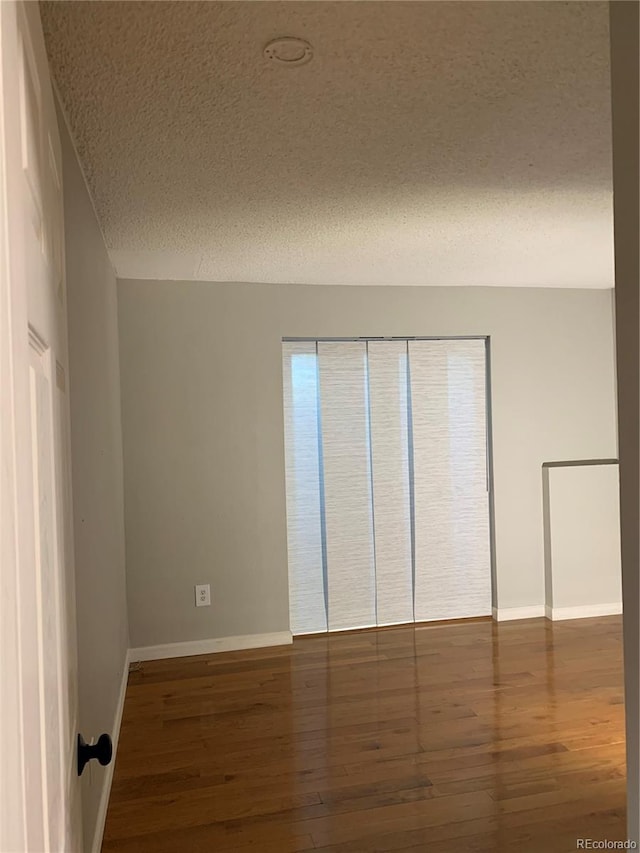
[469,736]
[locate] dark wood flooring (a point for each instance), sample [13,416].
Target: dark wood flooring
[470,736]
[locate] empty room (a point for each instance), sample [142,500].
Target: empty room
[319,364]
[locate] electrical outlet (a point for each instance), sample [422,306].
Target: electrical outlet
[203,595]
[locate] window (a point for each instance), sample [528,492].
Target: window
[386,479]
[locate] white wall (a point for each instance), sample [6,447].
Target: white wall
[203,429]
[96,446]
[582,553]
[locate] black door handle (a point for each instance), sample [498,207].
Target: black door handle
[102,750]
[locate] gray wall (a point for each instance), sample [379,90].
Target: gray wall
[582,560]
[624,23]
[96,446]
[203,429]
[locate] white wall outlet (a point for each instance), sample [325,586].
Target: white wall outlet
[203,595]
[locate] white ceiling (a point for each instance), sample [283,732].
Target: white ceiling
[426,143]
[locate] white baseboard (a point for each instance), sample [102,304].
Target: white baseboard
[509,614]
[206,647]
[584,611]
[101,817]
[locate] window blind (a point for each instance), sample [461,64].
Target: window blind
[386,479]
[347,484]
[389,433]
[452,559]
[307,599]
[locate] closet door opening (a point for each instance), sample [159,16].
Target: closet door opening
[387,481]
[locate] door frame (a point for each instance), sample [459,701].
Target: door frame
[15,422]
[37,764]
[624,25]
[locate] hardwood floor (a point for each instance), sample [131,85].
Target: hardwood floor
[472,736]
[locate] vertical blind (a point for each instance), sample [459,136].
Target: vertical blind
[386,482]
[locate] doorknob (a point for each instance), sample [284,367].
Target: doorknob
[102,750]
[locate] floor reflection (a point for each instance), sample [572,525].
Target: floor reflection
[448,738]
[455,734]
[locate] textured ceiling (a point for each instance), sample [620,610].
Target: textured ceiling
[426,142]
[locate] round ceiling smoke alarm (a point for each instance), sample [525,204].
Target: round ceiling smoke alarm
[288,51]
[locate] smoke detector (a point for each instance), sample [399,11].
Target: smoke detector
[288,51]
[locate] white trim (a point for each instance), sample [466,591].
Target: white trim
[206,647]
[584,611]
[101,816]
[509,614]
[13,320]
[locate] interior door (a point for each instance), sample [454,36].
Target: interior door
[39,794]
